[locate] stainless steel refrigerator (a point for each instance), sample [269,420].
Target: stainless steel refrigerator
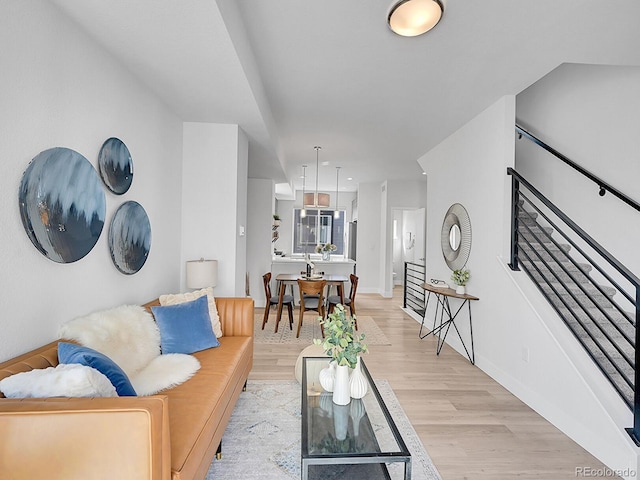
[353,239]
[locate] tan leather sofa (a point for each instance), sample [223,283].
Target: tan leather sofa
[174,434]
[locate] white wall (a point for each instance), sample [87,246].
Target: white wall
[241,193]
[60,89]
[369,263]
[214,178]
[261,203]
[511,318]
[591,114]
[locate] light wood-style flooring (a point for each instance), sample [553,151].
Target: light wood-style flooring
[471,426]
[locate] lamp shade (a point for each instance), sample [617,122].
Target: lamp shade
[202,273]
[316,200]
[410,18]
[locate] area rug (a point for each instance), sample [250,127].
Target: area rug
[310,330]
[262,440]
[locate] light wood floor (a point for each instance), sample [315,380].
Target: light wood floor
[471,426]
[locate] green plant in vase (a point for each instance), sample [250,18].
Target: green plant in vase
[340,341]
[460,278]
[344,347]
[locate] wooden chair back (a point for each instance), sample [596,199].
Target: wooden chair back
[266,278]
[354,287]
[312,287]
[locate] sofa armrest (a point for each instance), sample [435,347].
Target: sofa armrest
[97,438]
[236,315]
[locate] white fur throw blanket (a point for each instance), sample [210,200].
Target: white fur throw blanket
[129,336]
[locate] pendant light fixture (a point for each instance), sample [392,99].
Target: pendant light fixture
[303,212]
[410,18]
[336,213]
[316,200]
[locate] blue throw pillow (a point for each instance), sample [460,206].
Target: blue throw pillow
[71,353]
[185,327]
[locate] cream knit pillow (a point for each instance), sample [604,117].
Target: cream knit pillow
[174,299]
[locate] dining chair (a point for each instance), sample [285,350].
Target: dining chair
[311,298]
[273,300]
[350,301]
[304,275]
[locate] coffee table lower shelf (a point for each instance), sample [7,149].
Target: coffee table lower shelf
[362,471]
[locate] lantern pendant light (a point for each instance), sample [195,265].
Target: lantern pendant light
[316,200]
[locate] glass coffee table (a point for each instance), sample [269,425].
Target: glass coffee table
[354,441]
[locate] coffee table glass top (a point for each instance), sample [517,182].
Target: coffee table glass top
[360,436]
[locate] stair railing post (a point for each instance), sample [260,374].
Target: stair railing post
[515,198]
[636,382]
[405,286]
[635,431]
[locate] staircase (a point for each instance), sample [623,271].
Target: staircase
[589,309]
[596,296]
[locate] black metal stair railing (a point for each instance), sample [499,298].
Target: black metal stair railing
[595,294]
[414,277]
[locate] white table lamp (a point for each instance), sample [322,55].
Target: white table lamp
[202,273]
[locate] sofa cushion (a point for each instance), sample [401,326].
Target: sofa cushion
[201,406]
[61,381]
[126,334]
[185,327]
[71,353]
[176,298]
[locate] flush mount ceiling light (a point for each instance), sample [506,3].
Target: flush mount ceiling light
[411,18]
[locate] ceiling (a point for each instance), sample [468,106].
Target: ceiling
[299,73]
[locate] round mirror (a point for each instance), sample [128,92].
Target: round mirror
[454,237]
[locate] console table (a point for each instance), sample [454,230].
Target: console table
[447,316]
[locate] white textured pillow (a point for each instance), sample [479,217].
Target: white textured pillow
[164,372]
[65,380]
[127,334]
[174,299]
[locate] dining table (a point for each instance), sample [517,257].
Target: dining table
[284,279]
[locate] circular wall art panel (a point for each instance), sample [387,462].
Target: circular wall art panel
[62,204]
[129,237]
[116,166]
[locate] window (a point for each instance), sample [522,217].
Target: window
[317,227]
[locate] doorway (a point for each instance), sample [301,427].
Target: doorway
[408,240]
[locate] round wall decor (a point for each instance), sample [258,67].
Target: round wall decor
[129,237]
[455,237]
[116,166]
[62,204]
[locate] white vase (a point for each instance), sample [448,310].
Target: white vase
[340,421]
[327,377]
[461,290]
[326,256]
[326,403]
[341,392]
[358,383]
[356,412]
